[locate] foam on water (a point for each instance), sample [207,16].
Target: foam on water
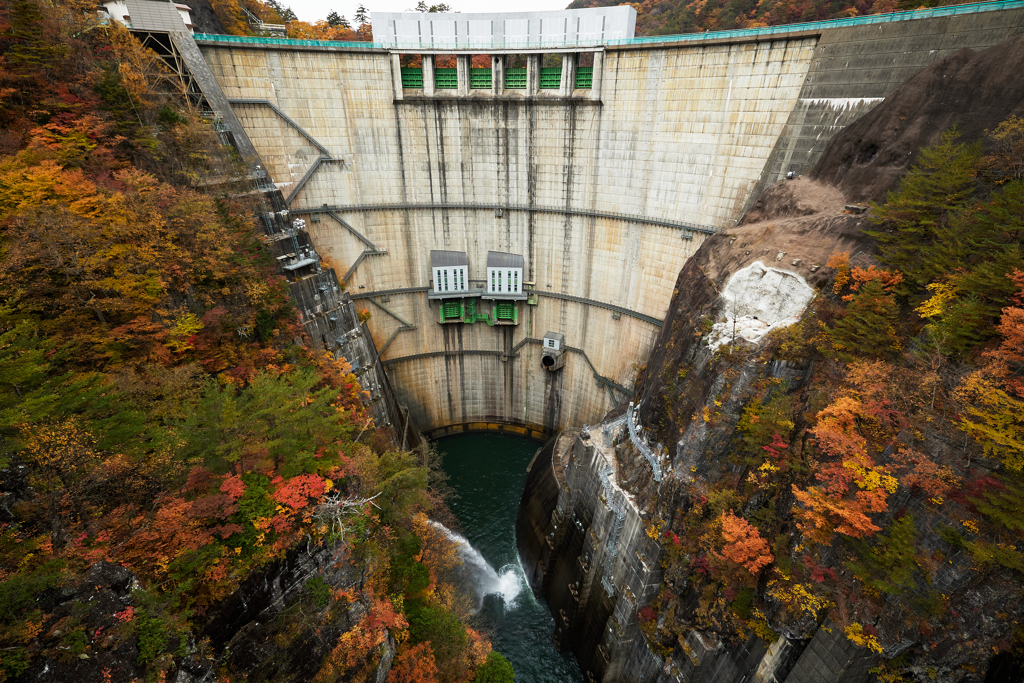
[507,584]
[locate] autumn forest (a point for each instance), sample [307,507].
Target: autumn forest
[162,417]
[168,436]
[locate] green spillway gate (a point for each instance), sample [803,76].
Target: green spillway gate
[480,79]
[451,310]
[584,77]
[550,78]
[412,78]
[515,79]
[505,312]
[446,79]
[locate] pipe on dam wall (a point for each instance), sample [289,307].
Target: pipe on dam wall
[677,134]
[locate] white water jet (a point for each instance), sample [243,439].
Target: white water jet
[507,584]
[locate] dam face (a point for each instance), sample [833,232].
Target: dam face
[605,190]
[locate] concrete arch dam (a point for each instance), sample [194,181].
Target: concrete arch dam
[604,181]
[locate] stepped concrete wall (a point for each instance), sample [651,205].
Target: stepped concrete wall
[595,188]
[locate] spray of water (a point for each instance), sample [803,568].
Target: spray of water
[507,584]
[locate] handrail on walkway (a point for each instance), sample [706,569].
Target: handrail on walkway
[954,10]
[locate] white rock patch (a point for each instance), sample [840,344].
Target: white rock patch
[759,299]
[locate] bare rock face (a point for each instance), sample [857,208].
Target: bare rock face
[204,18]
[90,607]
[273,628]
[794,227]
[973,91]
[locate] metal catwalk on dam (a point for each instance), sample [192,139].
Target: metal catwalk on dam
[605,174]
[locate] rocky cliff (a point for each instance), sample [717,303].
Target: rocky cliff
[810,503]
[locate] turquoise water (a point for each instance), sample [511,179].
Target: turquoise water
[488,471]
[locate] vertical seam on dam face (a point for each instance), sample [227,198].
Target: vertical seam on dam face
[715,123]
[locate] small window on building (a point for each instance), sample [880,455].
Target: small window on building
[515,281]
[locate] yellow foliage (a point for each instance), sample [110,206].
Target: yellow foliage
[759,623]
[256,292]
[797,596]
[62,453]
[855,634]
[654,530]
[994,418]
[185,327]
[871,478]
[942,294]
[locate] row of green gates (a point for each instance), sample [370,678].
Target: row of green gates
[483,79]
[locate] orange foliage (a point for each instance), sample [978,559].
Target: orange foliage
[297,491]
[857,277]
[414,665]
[743,544]
[840,261]
[888,279]
[852,486]
[352,657]
[1007,362]
[824,514]
[917,469]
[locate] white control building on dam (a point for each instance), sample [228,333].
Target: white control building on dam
[585,163]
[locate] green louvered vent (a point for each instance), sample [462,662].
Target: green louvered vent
[584,76]
[515,78]
[446,79]
[550,78]
[412,77]
[451,309]
[480,79]
[506,312]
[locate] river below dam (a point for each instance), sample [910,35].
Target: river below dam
[488,471]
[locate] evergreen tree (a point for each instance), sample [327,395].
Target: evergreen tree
[989,243]
[362,16]
[868,327]
[334,19]
[495,670]
[936,187]
[285,13]
[28,49]
[889,564]
[1000,505]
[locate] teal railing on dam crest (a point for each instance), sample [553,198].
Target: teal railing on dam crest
[783,29]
